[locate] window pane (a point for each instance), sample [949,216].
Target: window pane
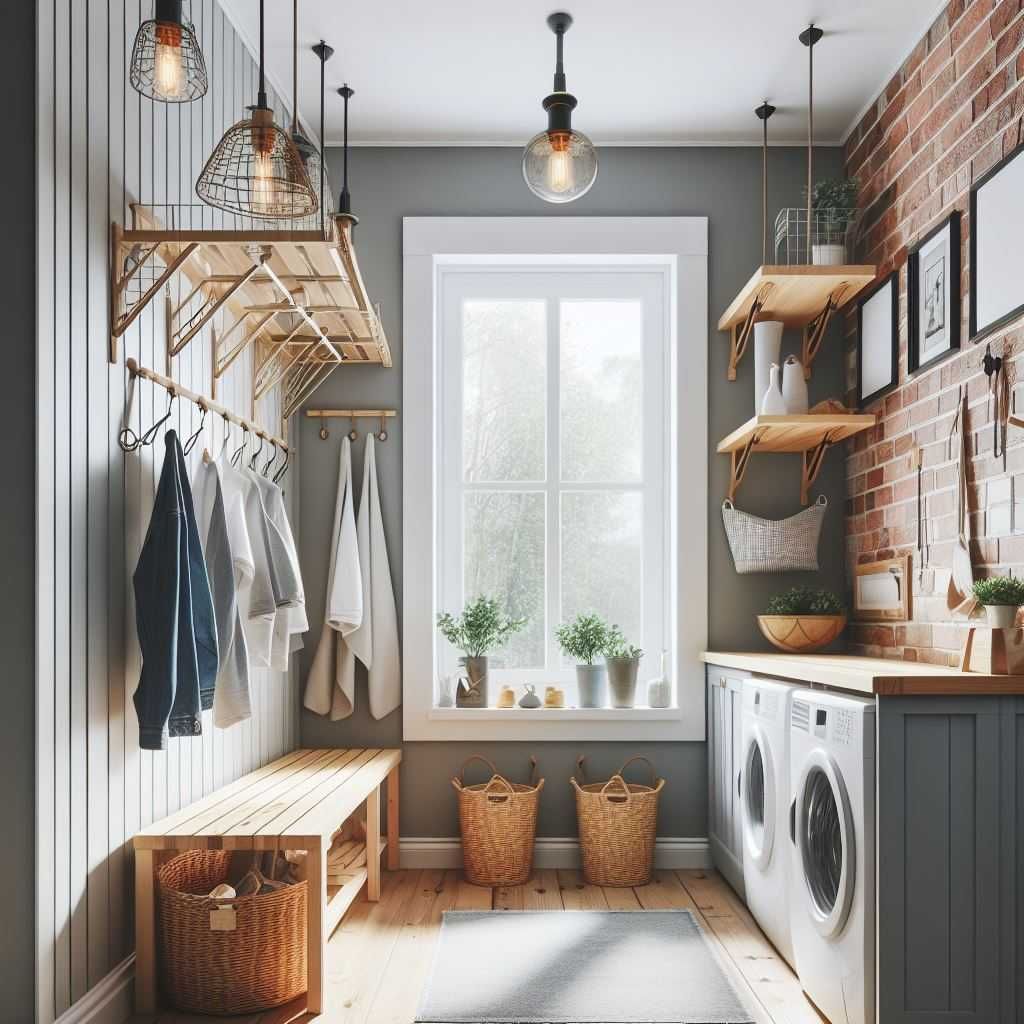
[602,558]
[503,389]
[601,390]
[504,559]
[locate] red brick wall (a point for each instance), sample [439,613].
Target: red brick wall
[951,112]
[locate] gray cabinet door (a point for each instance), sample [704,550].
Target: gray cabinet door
[725,721]
[941,762]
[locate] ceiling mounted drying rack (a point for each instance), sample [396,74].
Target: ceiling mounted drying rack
[176,390]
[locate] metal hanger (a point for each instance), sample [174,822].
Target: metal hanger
[382,434]
[272,459]
[239,452]
[150,435]
[255,455]
[191,442]
[280,474]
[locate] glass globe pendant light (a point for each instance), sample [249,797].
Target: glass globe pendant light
[256,171]
[167,62]
[560,164]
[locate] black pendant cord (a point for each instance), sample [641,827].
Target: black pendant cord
[559,66]
[323,65]
[345,199]
[261,99]
[809,37]
[295,68]
[764,112]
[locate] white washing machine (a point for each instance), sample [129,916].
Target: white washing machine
[832,828]
[765,799]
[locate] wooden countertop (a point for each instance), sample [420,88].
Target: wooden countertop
[868,675]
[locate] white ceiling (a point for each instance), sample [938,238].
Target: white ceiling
[650,72]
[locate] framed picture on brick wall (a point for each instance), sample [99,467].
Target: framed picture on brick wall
[996,228]
[878,340]
[933,296]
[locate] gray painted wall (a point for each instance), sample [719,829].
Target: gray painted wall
[721,183]
[17,396]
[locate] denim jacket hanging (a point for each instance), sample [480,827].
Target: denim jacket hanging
[173,613]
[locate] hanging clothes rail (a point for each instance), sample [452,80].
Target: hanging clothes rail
[350,414]
[176,389]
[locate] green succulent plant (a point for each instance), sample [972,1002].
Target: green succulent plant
[805,601]
[482,627]
[1000,590]
[583,639]
[617,647]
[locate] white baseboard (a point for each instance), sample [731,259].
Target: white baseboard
[109,1001]
[446,852]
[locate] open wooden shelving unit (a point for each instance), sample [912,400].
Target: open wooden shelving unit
[296,294]
[799,296]
[811,435]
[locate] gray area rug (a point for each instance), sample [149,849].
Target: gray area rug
[584,967]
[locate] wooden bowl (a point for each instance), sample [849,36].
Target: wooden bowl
[801,634]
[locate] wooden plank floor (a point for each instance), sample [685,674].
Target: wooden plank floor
[379,956]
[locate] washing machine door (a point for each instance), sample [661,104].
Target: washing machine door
[758,798]
[825,840]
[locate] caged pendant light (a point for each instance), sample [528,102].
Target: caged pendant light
[256,171]
[167,62]
[560,164]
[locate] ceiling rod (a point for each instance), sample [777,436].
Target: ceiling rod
[764,112]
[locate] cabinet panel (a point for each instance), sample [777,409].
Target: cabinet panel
[724,699]
[938,859]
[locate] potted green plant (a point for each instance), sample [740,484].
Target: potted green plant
[1001,596]
[623,661]
[834,208]
[803,619]
[482,627]
[584,641]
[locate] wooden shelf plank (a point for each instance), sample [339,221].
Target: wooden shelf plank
[795,433]
[796,295]
[341,897]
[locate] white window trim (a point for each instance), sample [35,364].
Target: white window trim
[677,243]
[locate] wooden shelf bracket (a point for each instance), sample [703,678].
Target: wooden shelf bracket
[739,460]
[812,462]
[741,331]
[814,332]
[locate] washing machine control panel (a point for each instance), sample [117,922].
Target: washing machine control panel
[834,724]
[820,722]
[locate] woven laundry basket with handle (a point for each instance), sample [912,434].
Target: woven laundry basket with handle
[618,824]
[217,956]
[498,820]
[774,545]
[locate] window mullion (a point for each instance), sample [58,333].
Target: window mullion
[553,485]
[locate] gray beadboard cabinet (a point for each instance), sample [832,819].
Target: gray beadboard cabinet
[725,758]
[950,859]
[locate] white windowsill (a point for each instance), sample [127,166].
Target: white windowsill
[637,714]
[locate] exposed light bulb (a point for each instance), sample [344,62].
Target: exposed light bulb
[264,188]
[559,175]
[168,64]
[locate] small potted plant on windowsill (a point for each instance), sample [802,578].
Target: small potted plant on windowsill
[623,661]
[1001,596]
[584,640]
[803,620]
[482,627]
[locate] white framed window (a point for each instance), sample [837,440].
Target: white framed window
[555,457]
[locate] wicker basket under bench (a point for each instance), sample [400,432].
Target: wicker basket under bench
[298,802]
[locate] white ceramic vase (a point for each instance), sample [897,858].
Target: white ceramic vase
[794,387]
[773,404]
[767,344]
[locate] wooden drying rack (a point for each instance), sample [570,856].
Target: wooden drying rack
[210,406]
[296,295]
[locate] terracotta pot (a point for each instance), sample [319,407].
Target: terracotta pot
[801,634]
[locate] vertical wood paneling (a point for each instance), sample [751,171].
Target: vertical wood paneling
[100,148]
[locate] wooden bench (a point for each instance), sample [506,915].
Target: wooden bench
[297,802]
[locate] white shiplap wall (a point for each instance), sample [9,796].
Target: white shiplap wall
[101,146]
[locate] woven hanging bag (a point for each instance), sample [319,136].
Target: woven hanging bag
[618,824]
[774,545]
[252,961]
[498,820]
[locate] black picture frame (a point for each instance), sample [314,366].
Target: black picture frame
[980,330]
[953,272]
[891,282]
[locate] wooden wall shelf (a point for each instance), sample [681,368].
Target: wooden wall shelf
[811,435]
[298,295]
[799,296]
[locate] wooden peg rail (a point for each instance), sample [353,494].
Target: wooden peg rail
[172,386]
[350,414]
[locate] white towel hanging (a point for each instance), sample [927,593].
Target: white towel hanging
[375,642]
[330,686]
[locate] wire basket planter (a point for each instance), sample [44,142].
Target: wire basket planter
[831,240]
